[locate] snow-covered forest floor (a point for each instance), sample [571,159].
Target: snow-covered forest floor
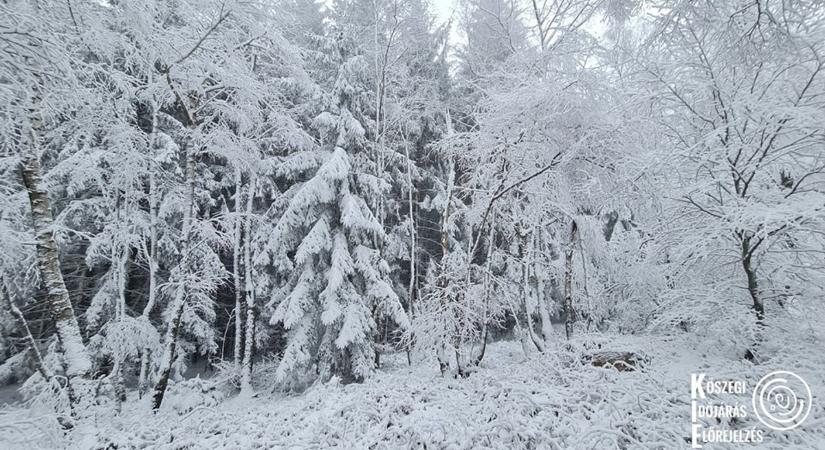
[551,400]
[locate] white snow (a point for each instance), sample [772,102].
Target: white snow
[552,400]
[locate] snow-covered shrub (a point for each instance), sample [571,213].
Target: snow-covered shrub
[187,395]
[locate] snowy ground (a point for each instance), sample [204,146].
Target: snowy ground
[551,400]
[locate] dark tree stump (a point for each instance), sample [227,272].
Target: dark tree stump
[621,361]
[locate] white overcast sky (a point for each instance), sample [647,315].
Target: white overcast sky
[443,9]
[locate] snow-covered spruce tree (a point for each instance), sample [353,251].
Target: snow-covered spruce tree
[329,238]
[407,74]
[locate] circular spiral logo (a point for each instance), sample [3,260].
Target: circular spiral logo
[782,400]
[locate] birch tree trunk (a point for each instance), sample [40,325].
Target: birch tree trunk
[236,272]
[121,272]
[413,256]
[249,344]
[75,356]
[412,230]
[525,335]
[525,290]
[153,245]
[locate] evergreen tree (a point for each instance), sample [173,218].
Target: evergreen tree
[329,237]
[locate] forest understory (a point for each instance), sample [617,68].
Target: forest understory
[555,400]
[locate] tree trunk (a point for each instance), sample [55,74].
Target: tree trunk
[541,301]
[143,377]
[70,342]
[246,378]
[122,279]
[520,334]
[753,289]
[546,324]
[569,312]
[486,289]
[41,368]
[522,331]
[180,298]
[443,362]
[753,286]
[153,245]
[525,255]
[170,350]
[413,244]
[116,379]
[443,282]
[143,382]
[121,273]
[27,334]
[236,270]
